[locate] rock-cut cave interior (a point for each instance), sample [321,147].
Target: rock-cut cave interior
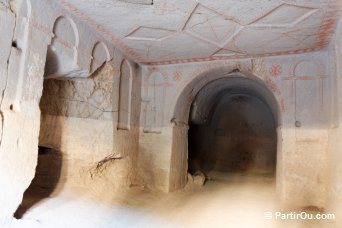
[160,113]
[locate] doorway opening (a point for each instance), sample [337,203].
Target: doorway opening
[238,136]
[44,183]
[233,125]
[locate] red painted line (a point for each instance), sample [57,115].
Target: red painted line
[329,23]
[117,42]
[239,56]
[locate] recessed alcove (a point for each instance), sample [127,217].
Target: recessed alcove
[239,135]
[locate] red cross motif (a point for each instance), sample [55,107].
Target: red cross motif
[276,70]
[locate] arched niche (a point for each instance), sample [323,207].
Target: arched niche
[61,59]
[155,103]
[196,100]
[125,96]
[308,79]
[307,68]
[100,54]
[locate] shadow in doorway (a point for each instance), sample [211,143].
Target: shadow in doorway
[239,137]
[48,172]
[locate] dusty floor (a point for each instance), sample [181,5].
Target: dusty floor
[225,201]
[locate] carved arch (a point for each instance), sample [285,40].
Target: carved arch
[99,54]
[62,54]
[125,95]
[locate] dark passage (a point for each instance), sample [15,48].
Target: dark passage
[239,135]
[47,176]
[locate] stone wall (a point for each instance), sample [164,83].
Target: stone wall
[301,85]
[22,61]
[80,118]
[89,98]
[77,119]
[99,107]
[40,39]
[335,157]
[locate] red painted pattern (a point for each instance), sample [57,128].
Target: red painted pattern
[326,29]
[238,56]
[177,76]
[329,23]
[272,85]
[117,42]
[41,28]
[276,70]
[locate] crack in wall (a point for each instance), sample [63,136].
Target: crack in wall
[7,68]
[102,165]
[90,104]
[2,124]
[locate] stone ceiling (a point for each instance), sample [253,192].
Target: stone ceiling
[165,31]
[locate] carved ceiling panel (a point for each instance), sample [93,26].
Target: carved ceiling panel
[182,31]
